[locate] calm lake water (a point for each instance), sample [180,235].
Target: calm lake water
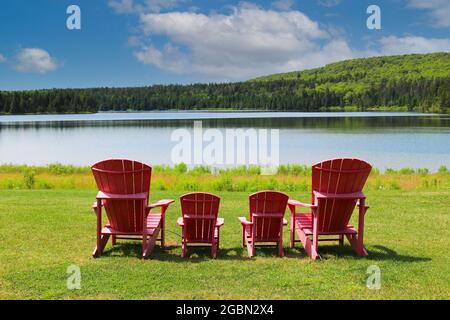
[387,140]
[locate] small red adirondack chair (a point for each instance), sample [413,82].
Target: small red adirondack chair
[336,190]
[124,187]
[266,223]
[199,222]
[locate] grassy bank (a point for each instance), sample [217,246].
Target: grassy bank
[43,232]
[242,179]
[46,225]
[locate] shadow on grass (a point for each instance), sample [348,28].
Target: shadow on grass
[194,253]
[376,252]
[200,254]
[384,253]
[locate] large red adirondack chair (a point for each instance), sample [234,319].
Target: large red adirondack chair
[336,190]
[199,222]
[266,223]
[124,187]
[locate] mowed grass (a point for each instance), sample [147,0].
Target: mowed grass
[43,232]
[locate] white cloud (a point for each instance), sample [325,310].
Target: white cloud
[283,5]
[141,6]
[393,45]
[169,58]
[248,42]
[439,10]
[35,60]
[2,58]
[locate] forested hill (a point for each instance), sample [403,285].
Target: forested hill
[372,70]
[408,83]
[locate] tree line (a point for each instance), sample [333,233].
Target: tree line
[419,94]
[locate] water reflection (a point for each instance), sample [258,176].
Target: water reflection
[386,140]
[339,123]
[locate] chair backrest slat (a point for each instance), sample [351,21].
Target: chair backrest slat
[123,177]
[200,211]
[338,176]
[267,210]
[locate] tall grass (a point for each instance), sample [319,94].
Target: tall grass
[289,178]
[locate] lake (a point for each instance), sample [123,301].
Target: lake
[387,140]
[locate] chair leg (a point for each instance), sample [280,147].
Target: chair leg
[214,250]
[341,240]
[163,232]
[144,245]
[315,246]
[315,239]
[280,249]
[292,241]
[357,245]
[101,243]
[113,240]
[149,244]
[280,242]
[183,249]
[358,239]
[218,238]
[250,246]
[308,245]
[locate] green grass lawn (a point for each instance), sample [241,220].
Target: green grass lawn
[42,232]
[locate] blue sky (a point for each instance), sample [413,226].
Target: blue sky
[144,42]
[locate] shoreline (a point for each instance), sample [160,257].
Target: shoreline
[200,115]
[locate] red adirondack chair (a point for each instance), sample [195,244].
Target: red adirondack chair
[124,187]
[266,223]
[199,222]
[336,190]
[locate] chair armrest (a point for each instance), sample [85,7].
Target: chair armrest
[112,196]
[220,222]
[295,203]
[364,206]
[94,205]
[348,196]
[207,217]
[160,203]
[268,215]
[244,221]
[180,222]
